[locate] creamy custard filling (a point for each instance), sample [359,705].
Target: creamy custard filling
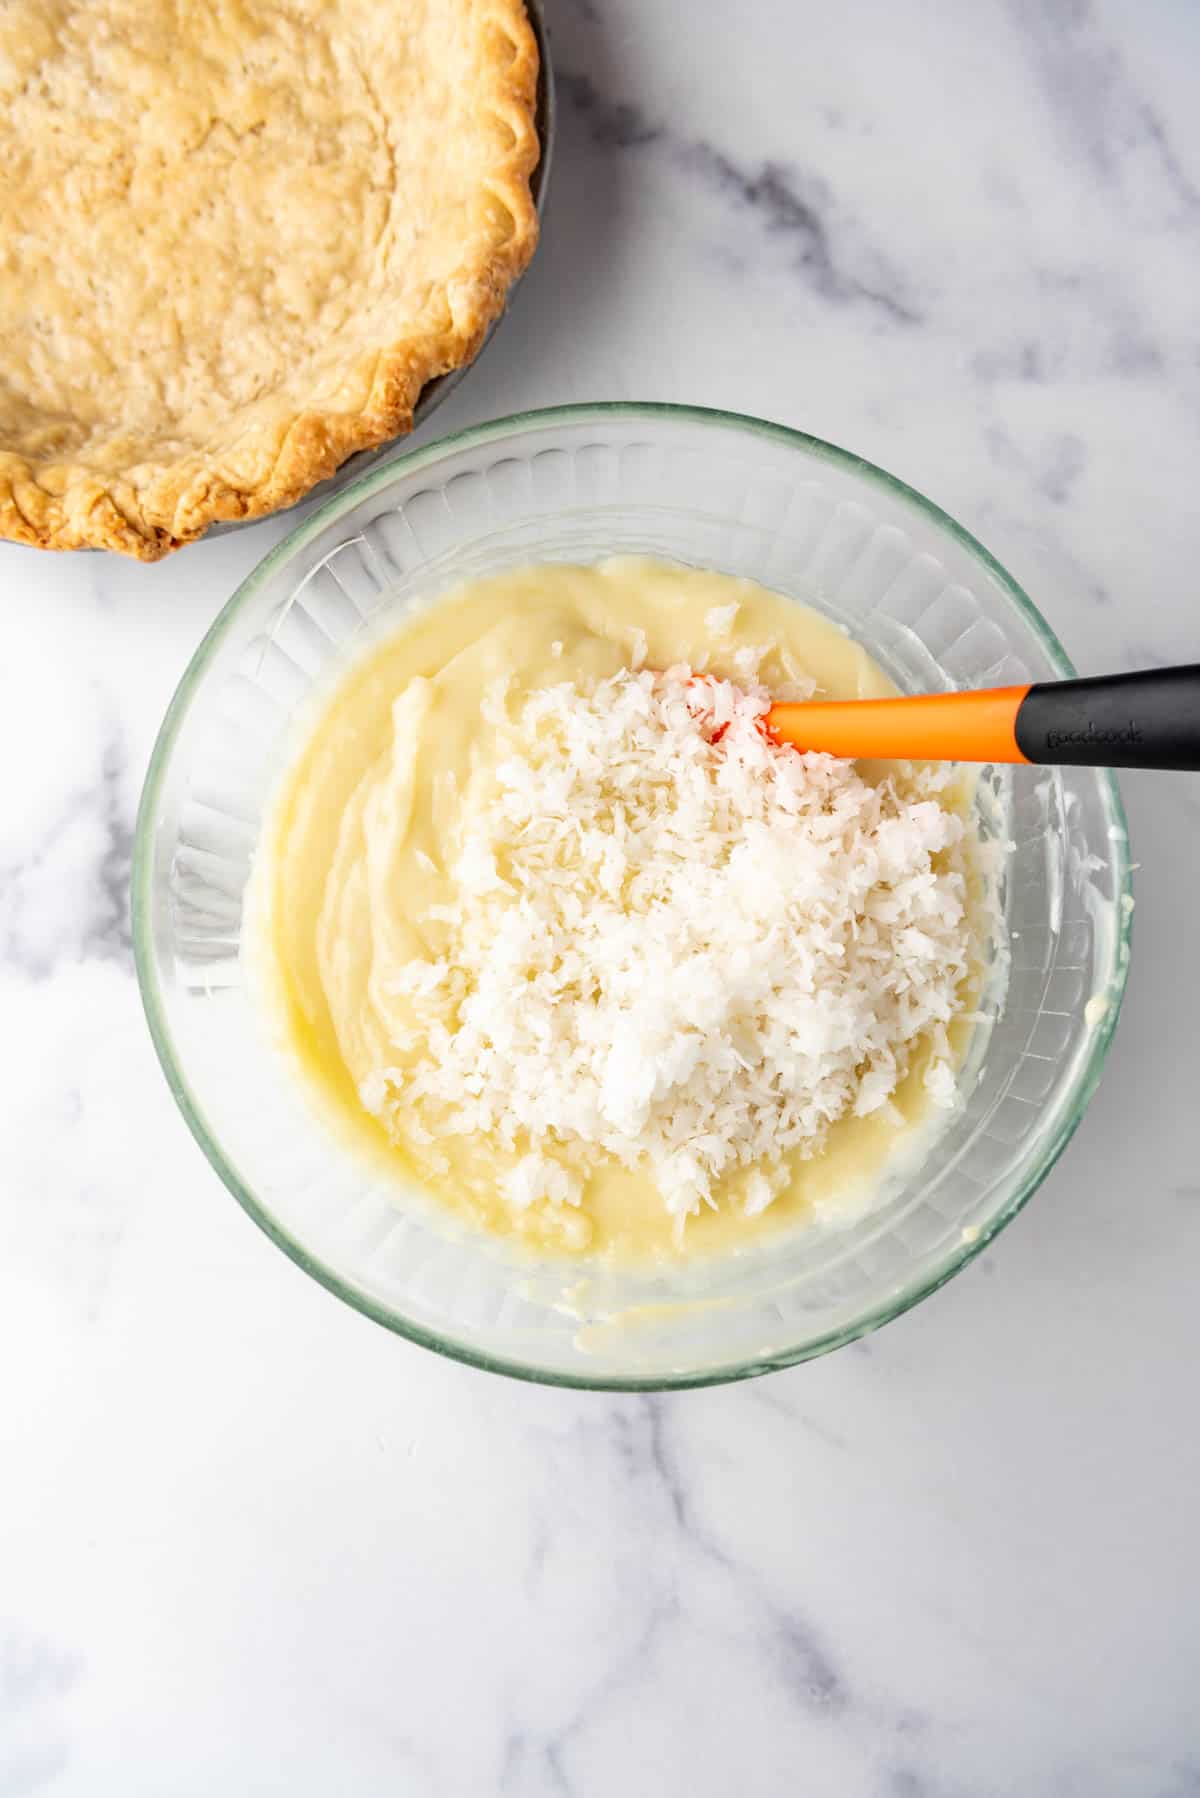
[401,867]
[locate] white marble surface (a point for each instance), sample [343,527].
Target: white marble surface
[249,1543]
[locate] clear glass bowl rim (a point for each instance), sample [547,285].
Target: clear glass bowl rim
[401,468]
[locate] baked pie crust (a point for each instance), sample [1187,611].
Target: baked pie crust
[237,237]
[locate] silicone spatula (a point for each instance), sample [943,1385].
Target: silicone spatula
[1148,720]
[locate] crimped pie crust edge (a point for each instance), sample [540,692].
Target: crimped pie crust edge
[159,507]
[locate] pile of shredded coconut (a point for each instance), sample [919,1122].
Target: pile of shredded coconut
[680,944]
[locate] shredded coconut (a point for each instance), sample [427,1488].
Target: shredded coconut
[719,620]
[677,943]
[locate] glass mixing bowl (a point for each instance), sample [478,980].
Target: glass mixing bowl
[577,484]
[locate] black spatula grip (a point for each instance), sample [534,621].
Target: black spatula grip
[1149,720]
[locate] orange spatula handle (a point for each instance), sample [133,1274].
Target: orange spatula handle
[937,727]
[1148,719]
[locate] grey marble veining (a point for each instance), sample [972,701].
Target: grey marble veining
[770,194]
[251,1544]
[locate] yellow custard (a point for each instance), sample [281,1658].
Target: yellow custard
[353,872]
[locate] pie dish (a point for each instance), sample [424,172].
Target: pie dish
[235,243]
